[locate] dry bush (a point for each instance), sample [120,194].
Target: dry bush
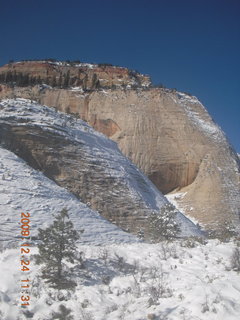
[235,259]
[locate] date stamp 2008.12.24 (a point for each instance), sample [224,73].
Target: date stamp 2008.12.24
[25,259]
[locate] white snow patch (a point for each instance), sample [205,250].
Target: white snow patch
[169,281]
[174,199]
[207,125]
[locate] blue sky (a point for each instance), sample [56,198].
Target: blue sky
[191,45]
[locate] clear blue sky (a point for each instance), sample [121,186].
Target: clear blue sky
[191,45]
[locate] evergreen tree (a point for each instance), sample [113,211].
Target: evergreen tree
[54,81]
[95,82]
[8,77]
[85,82]
[163,225]
[2,78]
[66,79]
[60,79]
[14,76]
[32,81]
[57,245]
[39,80]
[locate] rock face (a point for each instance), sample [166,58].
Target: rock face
[169,136]
[63,74]
[24,189]
[83,161]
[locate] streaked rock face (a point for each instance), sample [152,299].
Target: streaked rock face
[172,139]
[169,136]
[83,161]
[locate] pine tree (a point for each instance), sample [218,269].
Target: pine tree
[163,225]
[95,82]
[66,79]
[60,80]
[53,81]
[85,82]
[57,246]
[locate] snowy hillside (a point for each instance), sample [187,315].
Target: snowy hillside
[24,189]
[22,112]
[119,277]
[183,280]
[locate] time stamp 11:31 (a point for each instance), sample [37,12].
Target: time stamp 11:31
[25,259]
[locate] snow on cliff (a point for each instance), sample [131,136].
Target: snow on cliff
[25,113]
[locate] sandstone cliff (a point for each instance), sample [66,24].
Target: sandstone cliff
[169,136]
[83,161]
[63,74]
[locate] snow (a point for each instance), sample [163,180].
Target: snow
[88,65]
[174,198]
[168,280]
[78,89]
[26,113]
[171,281]
[194,110]
[24,189]
[178,280]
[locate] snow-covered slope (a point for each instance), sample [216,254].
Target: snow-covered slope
[23,189]
[153,282]
[82,160]
[22,112]
[194,110]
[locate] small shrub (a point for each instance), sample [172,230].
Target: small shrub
[111,308]
[106,280]
[104,65]
[158,287]
[104,255]
[84,315]
[120,261]
[151,316]
[192,242]
[235,259]
[159,85]
[85,303]
[205,306]
[63,314]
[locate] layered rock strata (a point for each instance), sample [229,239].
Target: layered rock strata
[169,135]
[83,161]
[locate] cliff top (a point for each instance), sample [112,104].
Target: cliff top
[65,74]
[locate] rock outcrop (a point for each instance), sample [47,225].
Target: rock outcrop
[83,161]
[63,74]
[169,136]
